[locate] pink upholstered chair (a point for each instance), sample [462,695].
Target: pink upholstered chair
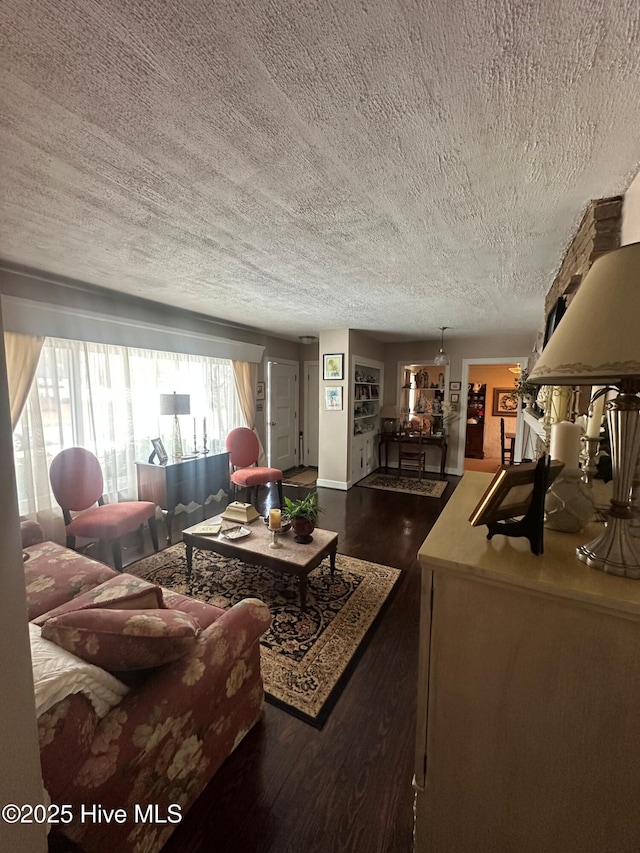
[76,481]
[243,448]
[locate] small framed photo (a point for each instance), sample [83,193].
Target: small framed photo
[159,451]
[333,366]
[260,390]
[509,493]
[505,404]
[454,398]
[455,386]
[333,398]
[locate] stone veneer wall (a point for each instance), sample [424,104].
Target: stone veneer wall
[598,232]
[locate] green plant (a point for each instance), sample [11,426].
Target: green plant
[524,388]
[306,507]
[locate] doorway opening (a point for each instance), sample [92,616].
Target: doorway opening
[486,385]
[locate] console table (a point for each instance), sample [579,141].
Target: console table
[528,693]
[387,438]
[182,482]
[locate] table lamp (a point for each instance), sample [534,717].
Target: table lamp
[596,343]
[389,415]
[175,404]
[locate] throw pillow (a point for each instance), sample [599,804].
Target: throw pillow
[124,592]
[124,639]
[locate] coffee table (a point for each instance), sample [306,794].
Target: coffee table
[292,558]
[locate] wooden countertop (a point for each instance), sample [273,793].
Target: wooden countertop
[454,545]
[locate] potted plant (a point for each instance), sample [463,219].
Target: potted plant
[525,390]
[303,514]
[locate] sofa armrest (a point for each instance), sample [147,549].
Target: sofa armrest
[31,532]
[181,714]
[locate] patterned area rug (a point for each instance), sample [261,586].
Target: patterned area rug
[393,483]
[306,658]
[303,477]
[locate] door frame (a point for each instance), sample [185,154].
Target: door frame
[308,404]
[464,390]
[292,363]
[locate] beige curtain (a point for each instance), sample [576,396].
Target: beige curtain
[245,374]
[23,354]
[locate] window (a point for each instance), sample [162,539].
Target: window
[106,398]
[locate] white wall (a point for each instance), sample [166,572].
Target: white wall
[20,779]
[630,232]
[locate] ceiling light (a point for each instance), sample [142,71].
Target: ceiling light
[517,369]
[307,339]
[442,358]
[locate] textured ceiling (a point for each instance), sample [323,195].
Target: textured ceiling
[386,165]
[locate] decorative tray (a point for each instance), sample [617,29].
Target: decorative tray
[237,532]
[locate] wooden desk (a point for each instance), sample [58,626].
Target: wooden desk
[387,438]
[182,482]
[528,690]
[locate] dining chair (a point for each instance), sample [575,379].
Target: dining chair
[507,445]
[412,450]
[244,449]
[77,483]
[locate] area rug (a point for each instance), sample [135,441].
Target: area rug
[302,477]
[393,483]
[308,657]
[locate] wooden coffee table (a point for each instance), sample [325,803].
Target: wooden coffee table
[291,559]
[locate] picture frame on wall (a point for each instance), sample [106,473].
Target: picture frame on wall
[260,390]
[454,398]
[455,386]
[505,405]
[333,365]
[333,398]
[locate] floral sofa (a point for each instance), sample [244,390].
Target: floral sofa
[154,751]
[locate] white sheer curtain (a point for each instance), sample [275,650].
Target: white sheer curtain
[106,398]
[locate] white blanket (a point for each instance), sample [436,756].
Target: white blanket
[58,673]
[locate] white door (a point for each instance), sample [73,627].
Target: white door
[311,413]
[282,415]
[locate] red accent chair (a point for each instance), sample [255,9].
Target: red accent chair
[76,481]
[243,448]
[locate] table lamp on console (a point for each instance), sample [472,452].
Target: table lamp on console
[596,343]
[175,404]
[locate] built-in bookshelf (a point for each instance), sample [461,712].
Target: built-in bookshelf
[366,399]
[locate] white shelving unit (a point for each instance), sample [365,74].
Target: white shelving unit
[366,403]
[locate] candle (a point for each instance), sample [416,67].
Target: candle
[194,426]
[594,419]
[275,519]
[565,443]
[204,426]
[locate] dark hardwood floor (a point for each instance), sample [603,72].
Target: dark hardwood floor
[289,787]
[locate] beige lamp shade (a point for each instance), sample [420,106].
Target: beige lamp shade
[389,411]
[597,341]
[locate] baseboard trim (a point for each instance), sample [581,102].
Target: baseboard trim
[332,484]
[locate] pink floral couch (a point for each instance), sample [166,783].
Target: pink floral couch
[154,752]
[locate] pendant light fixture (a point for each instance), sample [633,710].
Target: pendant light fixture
[442,358]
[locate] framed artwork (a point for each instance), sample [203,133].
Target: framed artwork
[455,386]
[159,451]
[505,405]
[454,398]
[260,390]
[333,398]
[333,366]
[509,493]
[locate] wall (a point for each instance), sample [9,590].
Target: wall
[630,229]
[334,433]
[493,376]
[20,780]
